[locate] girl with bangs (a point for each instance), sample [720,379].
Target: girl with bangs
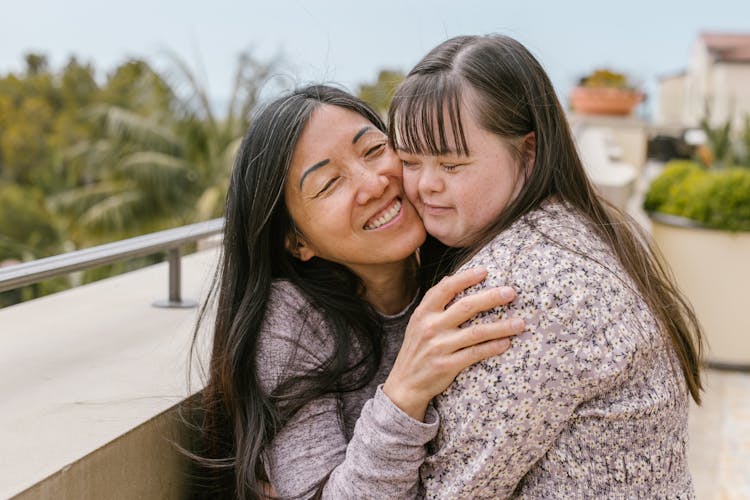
[592,401]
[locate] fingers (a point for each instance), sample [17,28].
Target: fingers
[467,307]
[441,294]
[481,333]
[478,352]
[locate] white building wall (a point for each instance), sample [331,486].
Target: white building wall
[698,84]
[722,87]
[733,98]
[672,98]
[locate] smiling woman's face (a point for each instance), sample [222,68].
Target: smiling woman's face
[345,195]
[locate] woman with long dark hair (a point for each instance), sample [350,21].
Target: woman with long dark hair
[592,400]
[317,282]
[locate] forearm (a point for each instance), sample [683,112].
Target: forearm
[381,460]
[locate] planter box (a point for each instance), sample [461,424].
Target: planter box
[604,100]
[712,268]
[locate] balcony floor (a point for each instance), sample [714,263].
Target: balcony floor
[719,452]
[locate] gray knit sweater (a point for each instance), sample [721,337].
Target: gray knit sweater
[376,451]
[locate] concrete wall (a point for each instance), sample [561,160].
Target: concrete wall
[630,134]
[90,378]
[143,463]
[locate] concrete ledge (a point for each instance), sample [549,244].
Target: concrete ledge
[87,380]
[142,463]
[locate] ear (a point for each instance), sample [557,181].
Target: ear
[296,245]
[529,149]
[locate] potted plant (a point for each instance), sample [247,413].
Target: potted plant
[701,223]
[605,92]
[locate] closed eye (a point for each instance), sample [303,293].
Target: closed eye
[375,150]
[327,186]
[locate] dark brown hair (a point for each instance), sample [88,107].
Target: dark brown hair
[511,95]
[235,418]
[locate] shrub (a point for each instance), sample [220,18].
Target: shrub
[715,199]
[673,173]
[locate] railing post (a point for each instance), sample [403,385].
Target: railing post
[175,299]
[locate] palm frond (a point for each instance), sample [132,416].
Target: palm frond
[166,180]
[147,131]
[77,200]
[198,89]
[113,214]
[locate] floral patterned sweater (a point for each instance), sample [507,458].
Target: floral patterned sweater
[589,402]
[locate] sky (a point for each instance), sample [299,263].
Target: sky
[348,41]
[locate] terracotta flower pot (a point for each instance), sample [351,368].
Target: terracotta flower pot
[604,100]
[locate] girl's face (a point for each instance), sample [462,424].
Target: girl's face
[345,194]
[458,197]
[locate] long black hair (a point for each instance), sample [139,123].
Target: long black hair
[236,418]
[512,96]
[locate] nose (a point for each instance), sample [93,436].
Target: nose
[373,183]
[430,180]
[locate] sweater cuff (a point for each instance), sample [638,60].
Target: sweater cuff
[410,430]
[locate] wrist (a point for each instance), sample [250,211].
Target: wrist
[406,401]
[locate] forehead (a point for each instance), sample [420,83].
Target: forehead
[330,126]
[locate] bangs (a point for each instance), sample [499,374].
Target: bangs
[425,116]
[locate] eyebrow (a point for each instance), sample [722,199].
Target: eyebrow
[313,169]
[361,133]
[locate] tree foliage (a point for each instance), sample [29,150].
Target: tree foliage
[379,93]
[85,161]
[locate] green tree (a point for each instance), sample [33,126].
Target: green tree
[41,115]
[27,232]
[166,154]
[28,228]
[379,93]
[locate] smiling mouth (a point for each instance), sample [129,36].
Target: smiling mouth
[385,216]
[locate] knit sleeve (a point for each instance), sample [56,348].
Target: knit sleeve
[387,447]
[502,415]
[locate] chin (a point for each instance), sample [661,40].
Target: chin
[451,240]
[443,237]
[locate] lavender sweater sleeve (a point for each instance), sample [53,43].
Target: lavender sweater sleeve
[378,458]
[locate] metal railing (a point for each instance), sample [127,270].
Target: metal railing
[170,240]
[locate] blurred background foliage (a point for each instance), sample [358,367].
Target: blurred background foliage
[84,161]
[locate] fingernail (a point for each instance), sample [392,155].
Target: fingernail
[504,343]
[517,324]
[506,293]
[479,271]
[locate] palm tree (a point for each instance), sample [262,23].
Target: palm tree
[164,156]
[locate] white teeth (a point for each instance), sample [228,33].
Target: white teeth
[386,217]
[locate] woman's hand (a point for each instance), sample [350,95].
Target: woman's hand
[435,349]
